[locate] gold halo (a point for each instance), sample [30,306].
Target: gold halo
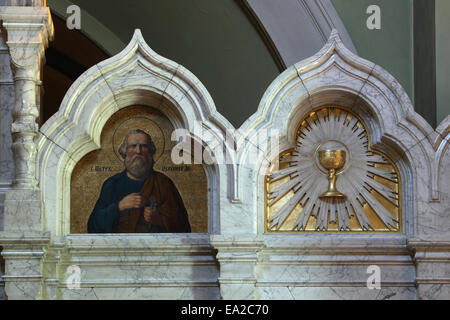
[145,124]
[347,162]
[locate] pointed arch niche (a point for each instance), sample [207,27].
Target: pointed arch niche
[336,76]
[137,76]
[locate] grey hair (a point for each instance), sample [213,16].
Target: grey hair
[123,147]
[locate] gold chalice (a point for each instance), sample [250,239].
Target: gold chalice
[332,160]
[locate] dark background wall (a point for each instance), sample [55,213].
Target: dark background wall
[228,51]
[216,40]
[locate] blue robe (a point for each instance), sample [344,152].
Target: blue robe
[104,217]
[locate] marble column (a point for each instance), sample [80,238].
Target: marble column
[238,256]
[27,31]
[6,106]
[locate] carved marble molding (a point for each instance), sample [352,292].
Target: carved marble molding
[431,255]
[137,75]
[161,266]
[23,253]
[334,267]
[7,93]
[252,264]
[28,31]
[332,180]
[238,256]
[337,76]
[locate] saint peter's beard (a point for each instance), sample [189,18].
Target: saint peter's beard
[138,165]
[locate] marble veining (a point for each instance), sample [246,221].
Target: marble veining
[236,260]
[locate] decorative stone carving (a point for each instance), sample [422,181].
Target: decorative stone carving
[432,259]
[162,266]
[6,107]
[254,263]
[28,29]
[336,76]
[238,256]
[23,254]
[135,76]
[135,266]
[368,180]
[334,267]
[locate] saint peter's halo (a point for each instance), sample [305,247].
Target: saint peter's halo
[142,123]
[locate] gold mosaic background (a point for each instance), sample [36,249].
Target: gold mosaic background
[93,169]
[377,223]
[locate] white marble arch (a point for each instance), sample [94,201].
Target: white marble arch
[335,75]
[316,265]
[135,76]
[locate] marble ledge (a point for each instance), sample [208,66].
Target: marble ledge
[336,293]
[430,242]
[175,242]
[131,258]
[8,238]
[22,195]
[322,241]
[371,242]
[27,18]
[334,258]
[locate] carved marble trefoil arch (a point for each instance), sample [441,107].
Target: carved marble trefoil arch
[336,76]
[135,76]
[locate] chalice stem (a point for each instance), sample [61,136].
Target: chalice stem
[332,180]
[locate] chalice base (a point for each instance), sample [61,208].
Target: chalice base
[332,194]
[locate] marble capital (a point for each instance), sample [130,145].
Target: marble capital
[29,29]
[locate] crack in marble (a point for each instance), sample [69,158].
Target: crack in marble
[388,296]
[107,84]
[51,140]
[304,86]
[290,292]
[358,95]
[337,293]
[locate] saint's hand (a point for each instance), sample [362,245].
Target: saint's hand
[132,201]
[152,216]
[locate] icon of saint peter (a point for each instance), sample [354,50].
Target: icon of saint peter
[139,199]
